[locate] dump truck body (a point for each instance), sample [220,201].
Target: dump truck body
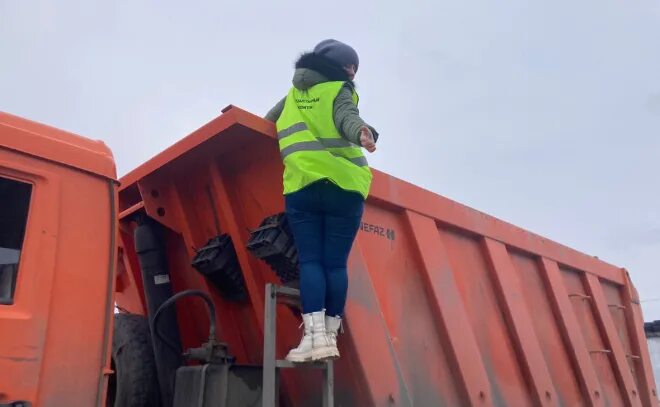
[447,306]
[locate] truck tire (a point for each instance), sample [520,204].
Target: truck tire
[135,382]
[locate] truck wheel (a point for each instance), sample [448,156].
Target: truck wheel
[135,382]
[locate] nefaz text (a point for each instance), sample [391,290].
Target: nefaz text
[377,230]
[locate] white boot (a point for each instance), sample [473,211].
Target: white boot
[323,347]
[332,327]
[303,353]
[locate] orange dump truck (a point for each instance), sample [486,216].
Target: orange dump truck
[447,306]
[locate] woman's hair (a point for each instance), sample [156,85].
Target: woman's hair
[323,65]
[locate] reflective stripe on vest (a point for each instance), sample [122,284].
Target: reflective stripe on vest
[320,144]
[311,146]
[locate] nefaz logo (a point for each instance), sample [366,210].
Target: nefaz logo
[377,230]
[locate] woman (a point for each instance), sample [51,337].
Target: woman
[326,181]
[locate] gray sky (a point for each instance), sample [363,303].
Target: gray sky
[544,114]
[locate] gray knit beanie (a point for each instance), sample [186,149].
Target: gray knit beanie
[339,52]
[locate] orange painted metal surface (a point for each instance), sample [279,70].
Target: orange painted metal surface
[447,306]
[55,337]
[45,142]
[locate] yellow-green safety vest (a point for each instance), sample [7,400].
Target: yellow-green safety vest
[311,146]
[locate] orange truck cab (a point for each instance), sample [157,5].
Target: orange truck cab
[58,195]
[176,287]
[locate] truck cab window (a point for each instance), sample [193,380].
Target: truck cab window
[14,204]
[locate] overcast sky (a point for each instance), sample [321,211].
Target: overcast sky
[545,114]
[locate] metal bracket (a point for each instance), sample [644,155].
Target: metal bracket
[600,351]
[580,296]
[617,306]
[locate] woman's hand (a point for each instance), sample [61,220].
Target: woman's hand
[367,139]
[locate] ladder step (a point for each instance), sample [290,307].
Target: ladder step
[285,364]
[284,291]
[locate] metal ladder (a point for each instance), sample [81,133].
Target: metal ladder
[272,366]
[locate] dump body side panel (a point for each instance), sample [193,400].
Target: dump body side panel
[447,306]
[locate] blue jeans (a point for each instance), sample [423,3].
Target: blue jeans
[324,220]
